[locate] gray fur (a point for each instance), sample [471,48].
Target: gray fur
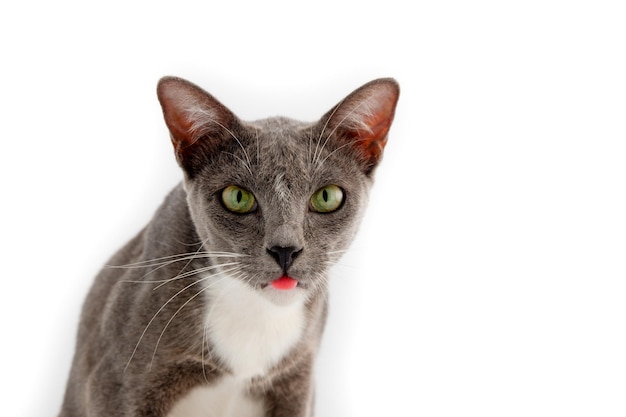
[119,369]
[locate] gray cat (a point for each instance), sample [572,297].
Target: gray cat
[217,306]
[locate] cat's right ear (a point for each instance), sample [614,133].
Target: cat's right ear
[197,122]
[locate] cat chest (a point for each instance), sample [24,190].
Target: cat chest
[226,398]
[249,334]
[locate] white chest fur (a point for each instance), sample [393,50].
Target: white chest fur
[250,334]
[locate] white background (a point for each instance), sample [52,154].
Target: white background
[489,278]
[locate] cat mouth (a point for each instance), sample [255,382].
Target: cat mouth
[284,290]
[285,283]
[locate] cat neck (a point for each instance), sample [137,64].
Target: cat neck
[249,332]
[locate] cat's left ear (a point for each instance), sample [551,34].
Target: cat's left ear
[364,117]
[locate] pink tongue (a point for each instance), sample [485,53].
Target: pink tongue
[284,283]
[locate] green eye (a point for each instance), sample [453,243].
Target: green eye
[327,199]
[238,200]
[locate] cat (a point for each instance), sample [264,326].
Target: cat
[216,308]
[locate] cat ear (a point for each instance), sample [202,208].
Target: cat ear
[364,117]
[197,122]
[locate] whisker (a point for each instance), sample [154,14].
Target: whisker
[319,139]
[317,162]
[336,251]
[176,313]
[205,342]
[258,149]
[320,282]
[180,276]
[245,165]
[188,244]
[159,311]
[190,258]
[172,259]
[343,265]
[245,153]
[320,163]
[349,114]
[189,261]
[310,145]
[194,272]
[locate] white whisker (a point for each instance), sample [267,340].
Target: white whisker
[319,139]
[320,163]
[356,123]
[337,251]
[157,313]
[178,311]
[245,165]
[258,150]
[176,258]
[205,342]
[191,273]
[248,165]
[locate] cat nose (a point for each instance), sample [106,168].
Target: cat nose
[284,256]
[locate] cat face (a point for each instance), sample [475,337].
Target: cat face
[279,198]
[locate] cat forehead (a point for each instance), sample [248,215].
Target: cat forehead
[278,128]
[279,122]
[282,151]
[279,142]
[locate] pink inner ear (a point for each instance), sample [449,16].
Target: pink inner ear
[364,118]
[180,128]
[373,141]
[175,95]
[190,113]
[375,113]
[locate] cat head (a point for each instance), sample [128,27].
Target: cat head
[283,196]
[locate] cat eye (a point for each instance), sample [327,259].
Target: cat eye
[238,200]
[327,199]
